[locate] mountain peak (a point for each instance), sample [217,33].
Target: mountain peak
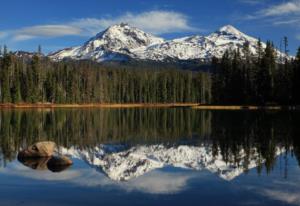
[116,28]
[117,42]
[229,29]
[120,26]
[124,32]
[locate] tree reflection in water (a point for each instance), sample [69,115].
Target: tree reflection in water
[227,132]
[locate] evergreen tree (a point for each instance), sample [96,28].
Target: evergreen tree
[5,77]
[225,78]
[16,87]
[265,74]
[5,50]
[296,79]
[39,51]
[283,79]
[33,79]
[249,72]
[237,80]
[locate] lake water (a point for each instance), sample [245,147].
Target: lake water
[153,157]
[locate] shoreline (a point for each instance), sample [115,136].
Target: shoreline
[104,105]
[150,105]
[245,107]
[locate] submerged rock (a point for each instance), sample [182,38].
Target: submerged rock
[36,163]
[58,164]
[39,156]
[39,149]
[54,164]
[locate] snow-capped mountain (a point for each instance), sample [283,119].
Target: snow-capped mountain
[114,43]
[122,41]
[229,38]
[121,164]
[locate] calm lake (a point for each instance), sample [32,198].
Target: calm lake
[173,156]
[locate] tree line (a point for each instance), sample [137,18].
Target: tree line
[241,78]
[238,78]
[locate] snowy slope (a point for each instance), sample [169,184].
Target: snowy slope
[188,48]
[230,38]
[120,42]
[112,43]
[121,164]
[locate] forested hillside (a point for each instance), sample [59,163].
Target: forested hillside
[233,79]
[38,79]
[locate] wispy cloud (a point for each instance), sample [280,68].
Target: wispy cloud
[284,196]
[283,10]
[288,21]
[283,14]
[287,8]
[253,2]
[155,22]
[45,31]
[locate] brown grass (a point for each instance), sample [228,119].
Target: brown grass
[240,107]
[139,105]
[133,105]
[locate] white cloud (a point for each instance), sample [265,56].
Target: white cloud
[158,22]
[45,31]
[284,14]
[284,10]
[287,8]
[284,196]
[159,182]
[155,22]
[155,182]
[288,21]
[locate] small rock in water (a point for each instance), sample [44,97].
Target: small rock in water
[60,160]
[39,149]
[54,164]
[58,164]
[36,163]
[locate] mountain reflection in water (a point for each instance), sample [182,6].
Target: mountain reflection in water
[225,142]
[152,157]
[137,161]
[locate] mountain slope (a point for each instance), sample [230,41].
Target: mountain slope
[114,43]
[120,42]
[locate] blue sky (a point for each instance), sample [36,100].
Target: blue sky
[56,24]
